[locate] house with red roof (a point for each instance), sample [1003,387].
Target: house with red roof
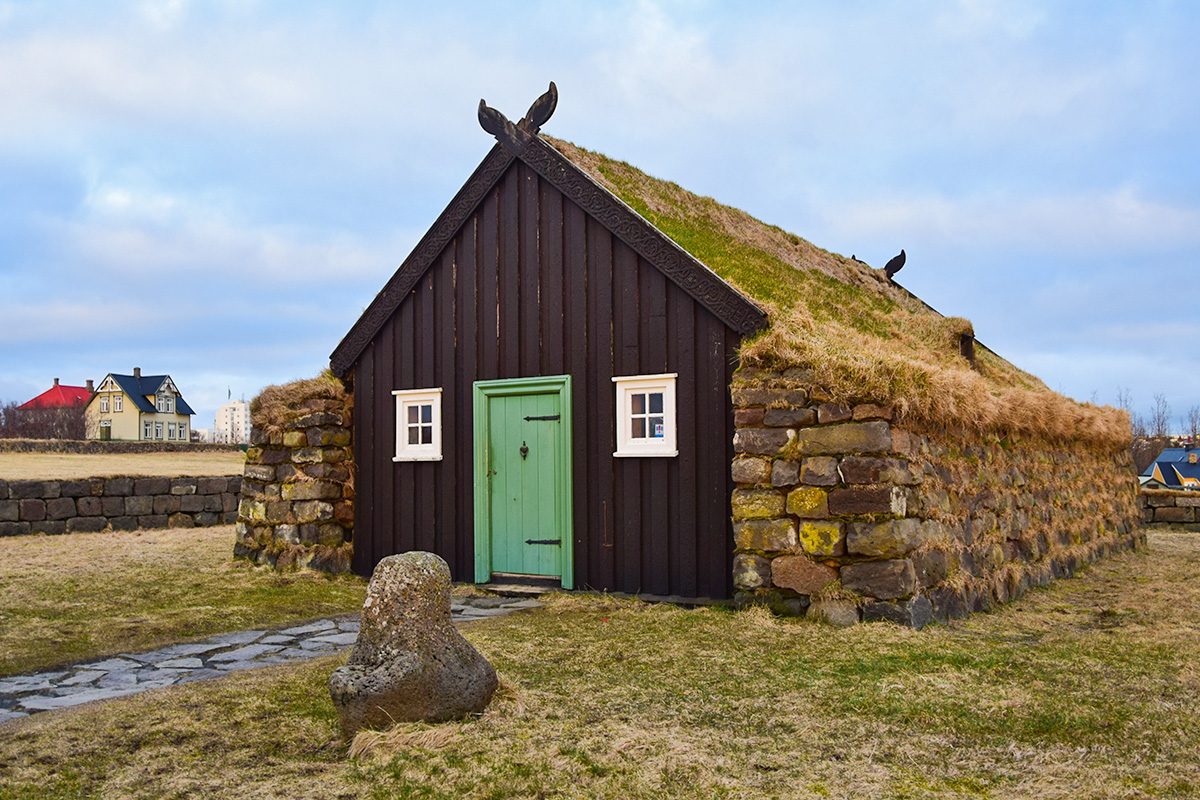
[60,395]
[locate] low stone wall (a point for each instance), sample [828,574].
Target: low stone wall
[843,514]
[1163,508]
[297,506]
[119,504]
[89,446]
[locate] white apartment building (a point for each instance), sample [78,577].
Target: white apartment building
[232,424]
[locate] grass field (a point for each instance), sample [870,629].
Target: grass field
[63,598]
[1089,688]
[69,466]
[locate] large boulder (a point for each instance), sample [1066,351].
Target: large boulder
[410,663]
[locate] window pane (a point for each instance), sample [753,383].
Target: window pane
[639,428]
[427,413]
[413,411]
[639,403]
[414,435]
[656,403]
[656,427]
[426,434]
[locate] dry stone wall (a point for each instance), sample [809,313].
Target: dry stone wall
[841,513]
[297,506]
[92,505]
[1172,508]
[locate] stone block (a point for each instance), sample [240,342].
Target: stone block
[894,538]
[1188,501]
[785,473]
[819,471]
[182,486]
[259,472]
[884,580]
[229,502]
[112,506]
[32,509]
[10,528]
[317,418]
[932,566]
[295,439]
[756,504]
[146,521]
[750,470]
[288,533]
[206,519]
[1171,514]
[751,571]
[89,506]
[60,508]
[867,411]
[312,511]
[343,513]
[279,511]
[821,538]
[949,602]
[288,472]
[75,488]
[916,612]
[845,438]
[191,503]
[4,495]
[228,517]
[801,574]
[874,469]
[745,396]
[771,535]
[166,504]
[10,510]
[868,500]
[212,502]
[311,490]
[211,485]
[836,612]
[86,524]
[331,535]
[761,441]
[118,487]
[180,520]
[42,490]
[808,502]
[748,417]
[833,412]
[152,486]
[789,417]
[49,526]
[123,523]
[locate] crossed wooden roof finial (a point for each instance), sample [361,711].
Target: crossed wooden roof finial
[515,137]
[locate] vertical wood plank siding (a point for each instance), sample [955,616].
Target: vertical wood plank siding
[531,285]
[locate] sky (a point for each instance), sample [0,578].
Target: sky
[217,190]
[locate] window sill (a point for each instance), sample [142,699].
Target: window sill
[398,459]
[662,454]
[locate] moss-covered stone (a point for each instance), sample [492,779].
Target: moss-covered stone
[821,538]
[773,535]
[757,504]
[808,502]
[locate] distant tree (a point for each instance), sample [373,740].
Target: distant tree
[1160,417]
[1136,421]
[41,423]
[1192,423]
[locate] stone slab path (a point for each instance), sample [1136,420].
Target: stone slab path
[130,673]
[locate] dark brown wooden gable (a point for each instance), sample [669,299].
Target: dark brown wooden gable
[705,286]
[531,283]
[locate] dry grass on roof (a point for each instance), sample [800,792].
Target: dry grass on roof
[863,337]
[277,405]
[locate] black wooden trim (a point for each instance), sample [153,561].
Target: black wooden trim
[406,277]
[726,303]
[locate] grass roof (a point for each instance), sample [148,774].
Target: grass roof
[863,338]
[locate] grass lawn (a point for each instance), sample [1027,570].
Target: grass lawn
[1090,688]
[71,466]
[64,598]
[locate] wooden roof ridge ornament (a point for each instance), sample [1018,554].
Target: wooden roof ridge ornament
[894,265]
[515,137]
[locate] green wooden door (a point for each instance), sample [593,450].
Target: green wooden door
[525,484]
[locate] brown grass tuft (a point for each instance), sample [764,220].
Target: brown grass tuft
[402,738]
[277,405]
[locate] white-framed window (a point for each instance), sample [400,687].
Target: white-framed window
[418,425]
[117,403]
[103,405]
[183,432]
[158,431]
[146,429]
[646,416]
[170,430]
[106,423]
[170,404]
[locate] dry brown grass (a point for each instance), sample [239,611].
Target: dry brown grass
[1086,689]
[863,338]
[64,598]
[70,466]
[277,405]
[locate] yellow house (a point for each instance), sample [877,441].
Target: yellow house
[138,407]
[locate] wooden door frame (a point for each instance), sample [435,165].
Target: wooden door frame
[482,391]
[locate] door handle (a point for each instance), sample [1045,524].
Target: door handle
[524,451]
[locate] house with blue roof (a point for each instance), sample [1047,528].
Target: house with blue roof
[1175,468]
[138,407]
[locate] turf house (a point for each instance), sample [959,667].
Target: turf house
[591,378]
